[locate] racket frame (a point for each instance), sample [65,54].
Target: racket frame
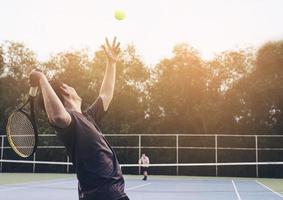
[31,117]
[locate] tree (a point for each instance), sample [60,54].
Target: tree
[258,95]
[17,60]
[178,89]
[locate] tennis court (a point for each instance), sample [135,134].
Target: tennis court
[218,160]
[15,186]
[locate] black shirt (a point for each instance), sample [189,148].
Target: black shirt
[96,164]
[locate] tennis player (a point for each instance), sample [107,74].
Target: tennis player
[144,162]
[98,171]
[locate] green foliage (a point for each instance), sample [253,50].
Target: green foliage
[17,60]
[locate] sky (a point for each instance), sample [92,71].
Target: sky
[153,26]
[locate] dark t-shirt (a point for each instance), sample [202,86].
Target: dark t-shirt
[96,164]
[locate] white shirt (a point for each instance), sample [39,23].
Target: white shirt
[144,161]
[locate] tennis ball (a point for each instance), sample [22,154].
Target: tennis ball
[120,15]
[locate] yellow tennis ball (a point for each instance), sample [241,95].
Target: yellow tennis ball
[120,15]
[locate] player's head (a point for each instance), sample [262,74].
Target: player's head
[143,155]
[67,95]
[70,96]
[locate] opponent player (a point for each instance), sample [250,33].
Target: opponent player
[144,162]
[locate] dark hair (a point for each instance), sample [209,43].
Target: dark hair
[56,85]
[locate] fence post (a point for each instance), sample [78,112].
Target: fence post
[216,154]
[177,154]
[256,155]
[139,152]
[2,152]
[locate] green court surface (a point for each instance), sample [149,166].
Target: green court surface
[14,178]
[274,184]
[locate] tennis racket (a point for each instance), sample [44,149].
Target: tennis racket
[21,127]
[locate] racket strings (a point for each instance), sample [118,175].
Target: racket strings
[22,133]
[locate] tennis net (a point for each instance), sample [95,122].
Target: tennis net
[239,169]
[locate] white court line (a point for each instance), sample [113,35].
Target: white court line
[280,195]
[138,186]
[236,191]
[14,188]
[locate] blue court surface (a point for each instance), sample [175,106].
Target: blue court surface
[157,187]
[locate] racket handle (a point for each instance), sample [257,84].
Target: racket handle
[33,91]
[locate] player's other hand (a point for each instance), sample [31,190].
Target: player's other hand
[34,77]
[112,51]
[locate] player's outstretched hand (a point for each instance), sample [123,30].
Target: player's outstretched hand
[111,51]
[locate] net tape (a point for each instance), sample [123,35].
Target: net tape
[152,165]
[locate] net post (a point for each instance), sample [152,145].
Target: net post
[216,153]
[33,164]
[139,152]
[256,154]
[67,167]
[177,154]
[2,152]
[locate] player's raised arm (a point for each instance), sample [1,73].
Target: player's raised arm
[56,112]
[108,84]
